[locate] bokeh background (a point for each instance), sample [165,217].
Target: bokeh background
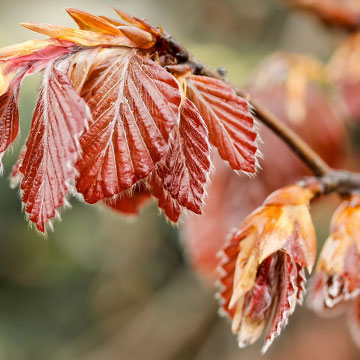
[102,287]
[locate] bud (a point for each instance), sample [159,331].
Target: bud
[140,37]
[263,265]
[338,270]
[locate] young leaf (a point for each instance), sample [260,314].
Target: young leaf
[27,48]
[186,167]
[130,203]
[170,206]
[81,37]
[135,104]
[286,301]
[9,118]
[227,116]
[52,148]
[91,22]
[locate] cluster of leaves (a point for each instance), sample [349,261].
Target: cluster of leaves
[119,118]
[262,267]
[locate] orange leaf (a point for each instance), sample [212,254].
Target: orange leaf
[91,22]
[81,37]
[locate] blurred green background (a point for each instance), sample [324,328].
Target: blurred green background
[102,287]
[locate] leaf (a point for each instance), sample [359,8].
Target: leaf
[130,203]
[26,48]
[227,116]
[81,37]
[91,22]
[134,104]
[253,313]
[9,118]
[170,206]
[186,167]
[286,299]
[52,148]
[139,23]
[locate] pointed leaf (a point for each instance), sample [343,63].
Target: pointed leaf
[52,147]
[170,206]
[135,104]
[142,24]
[227,116]
[286,301]
[81,37]
[91,22]
[26,48]
[186,167]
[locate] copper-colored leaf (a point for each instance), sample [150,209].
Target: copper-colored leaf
[186,167]
[135,104]
[227,116]
[263,265]
[87,21]
[170,206]
[81,37]
[339,262]
[142,24]
[52,147]
[287,295]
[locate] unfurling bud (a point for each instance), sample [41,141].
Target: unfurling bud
[262,269]
[338,271]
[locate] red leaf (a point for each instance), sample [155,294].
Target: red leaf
[130,203]
[9,118]
[258,304]
[186,167]
[16,176]
[52,147]
[170,206]
[135,104]
[227,116]
[286,299]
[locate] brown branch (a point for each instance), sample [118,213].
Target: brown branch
[327,179]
